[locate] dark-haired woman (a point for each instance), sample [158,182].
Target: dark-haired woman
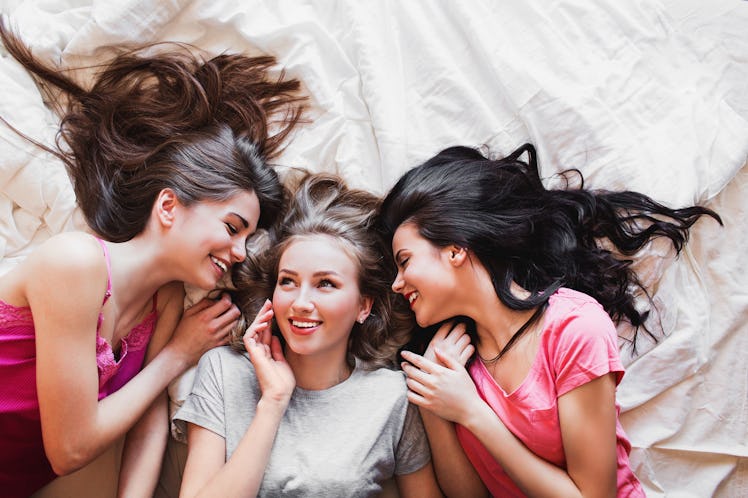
[541,277]
[167,156]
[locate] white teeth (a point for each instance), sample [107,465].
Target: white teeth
[220,263]
[412,297]
[304,325]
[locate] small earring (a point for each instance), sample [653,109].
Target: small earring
[361,320]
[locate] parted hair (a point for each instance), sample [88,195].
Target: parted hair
[160,116]
[322,204]
[540,238]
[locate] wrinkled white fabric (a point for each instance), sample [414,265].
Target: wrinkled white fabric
[647,95]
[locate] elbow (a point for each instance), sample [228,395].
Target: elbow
[64,466]
[65,461]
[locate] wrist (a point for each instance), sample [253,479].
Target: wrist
[178,361]
[477,416]
[273,405]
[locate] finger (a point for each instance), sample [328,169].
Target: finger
[251,346]
[199,306]
[466,354]
[266,332]
[447,360]
[222,305]
[417,388]
[414,373]
[276,350]
[264,315]
[422,363]
[417,399]
[444,329]
[266,306]
[462,341]
[457,330]
[224,332]
[228,318]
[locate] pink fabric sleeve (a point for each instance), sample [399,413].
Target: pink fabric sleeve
[586,348]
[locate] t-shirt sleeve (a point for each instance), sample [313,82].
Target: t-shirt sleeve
[204,405]
[586,347]
[413,449]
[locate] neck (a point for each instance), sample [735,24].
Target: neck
[495,322]
[137,272]
[318,372]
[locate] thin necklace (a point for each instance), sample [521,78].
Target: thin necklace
[530,321]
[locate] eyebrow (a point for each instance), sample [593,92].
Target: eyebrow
[241,218]
[322,273]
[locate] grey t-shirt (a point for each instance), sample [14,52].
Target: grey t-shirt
[343,441]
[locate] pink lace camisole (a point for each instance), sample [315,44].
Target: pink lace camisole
[24,467]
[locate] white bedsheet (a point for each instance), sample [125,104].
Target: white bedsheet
[647,95]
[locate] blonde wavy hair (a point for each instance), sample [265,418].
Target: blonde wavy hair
[323,204]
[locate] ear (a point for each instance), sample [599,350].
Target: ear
[457,255]
[165,207]
[365,309]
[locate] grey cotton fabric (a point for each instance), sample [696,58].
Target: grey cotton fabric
[343,441]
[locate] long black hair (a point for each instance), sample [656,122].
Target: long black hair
[540,238]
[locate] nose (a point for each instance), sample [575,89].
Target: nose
[397,284]
[302,303]
[239,250]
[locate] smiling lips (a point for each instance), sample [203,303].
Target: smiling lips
[304,327]
[220,264]
[411,297]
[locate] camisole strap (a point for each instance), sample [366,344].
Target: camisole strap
[108,292]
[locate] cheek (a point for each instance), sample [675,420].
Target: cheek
[281,301]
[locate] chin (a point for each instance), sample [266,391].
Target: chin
[423,322]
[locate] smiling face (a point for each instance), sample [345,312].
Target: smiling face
[213,236]
[317,298]
[425,276]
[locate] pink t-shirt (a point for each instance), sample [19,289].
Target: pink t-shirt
[578,344]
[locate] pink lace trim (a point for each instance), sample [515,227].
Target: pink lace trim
[136,340]
[11,316]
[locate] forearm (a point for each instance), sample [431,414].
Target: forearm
[454,472]
[143,452]
[113,416]
[242,474]
[534,475]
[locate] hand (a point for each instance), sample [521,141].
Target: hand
[275,376]
[443,386]
[453,341]
[203,326]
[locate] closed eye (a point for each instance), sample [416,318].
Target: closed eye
[285,281]
[403,262]
[231,229]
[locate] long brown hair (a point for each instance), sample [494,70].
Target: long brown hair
[160,116]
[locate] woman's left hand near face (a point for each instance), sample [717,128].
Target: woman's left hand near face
[445,388]
[275,376]
[203,326]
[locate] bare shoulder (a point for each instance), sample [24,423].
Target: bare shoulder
[66,258]
[69,248]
